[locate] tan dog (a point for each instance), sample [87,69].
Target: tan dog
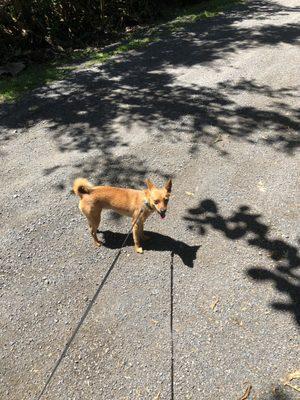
[129,202]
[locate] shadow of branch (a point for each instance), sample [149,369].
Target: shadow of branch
[245,225]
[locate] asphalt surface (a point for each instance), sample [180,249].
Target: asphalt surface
[216,106]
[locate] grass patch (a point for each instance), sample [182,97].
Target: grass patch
[189,15]
[37,75]
[34,76]
[134,44]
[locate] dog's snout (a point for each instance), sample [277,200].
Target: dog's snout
[162,213]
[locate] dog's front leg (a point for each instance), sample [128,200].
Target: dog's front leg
[142,234]
[136,239]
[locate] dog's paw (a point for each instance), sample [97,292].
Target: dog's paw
[139,249]
[98,244]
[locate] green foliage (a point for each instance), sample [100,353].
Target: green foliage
[40,74]
[28,25]
[134,44]
[36,75]
[38,28]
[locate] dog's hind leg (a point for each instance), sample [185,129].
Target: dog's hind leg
[94,221]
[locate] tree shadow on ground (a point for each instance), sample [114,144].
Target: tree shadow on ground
[157,242]
[125,171]
[243,224]
[140,89]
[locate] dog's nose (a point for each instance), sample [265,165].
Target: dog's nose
[163,213]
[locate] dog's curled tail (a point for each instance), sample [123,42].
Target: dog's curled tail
[82,186]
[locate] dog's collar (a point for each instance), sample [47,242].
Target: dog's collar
[147,204]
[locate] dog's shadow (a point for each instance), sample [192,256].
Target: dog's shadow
[156,242]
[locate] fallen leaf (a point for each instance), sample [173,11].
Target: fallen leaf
[218,139]
[190,193]
[154,322]
[246,393]
[290,377]
[214,304]
[157,397]
[237,321]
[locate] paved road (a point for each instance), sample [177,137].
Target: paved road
[216,106]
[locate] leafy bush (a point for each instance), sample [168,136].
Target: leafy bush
[32,26]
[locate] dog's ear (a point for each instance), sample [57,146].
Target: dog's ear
[168,185]
[149,184]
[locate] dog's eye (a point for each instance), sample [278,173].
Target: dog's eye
[166,201]
[156,201]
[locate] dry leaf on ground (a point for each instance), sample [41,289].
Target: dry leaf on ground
[246,393]
[290,377]
[214,304]
[218,139]
[237,321]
